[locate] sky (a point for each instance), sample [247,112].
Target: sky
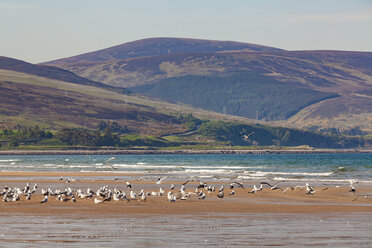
[43,30]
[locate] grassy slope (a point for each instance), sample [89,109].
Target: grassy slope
[347,74]
[160,46]
[246,94]
[30,100]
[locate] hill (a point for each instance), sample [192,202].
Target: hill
[347,75]
[32,105]
[51,72]
[245,94]
[160,46]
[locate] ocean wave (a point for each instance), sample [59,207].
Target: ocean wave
[8,160]
[206,171]
[140,166]
[265,173]
[347,181]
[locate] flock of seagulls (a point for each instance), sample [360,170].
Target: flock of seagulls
[106,194]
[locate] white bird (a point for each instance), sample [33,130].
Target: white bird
[232,192]
[132,195]
[171,197]
[172,187]
[143,197]
[220,194]
[309,189]
[44,200]
[201,196]
[96,201]
[108,160]
[129,186]
[221,189]
[159,181]
[116,197]
[161,192]
[272,186]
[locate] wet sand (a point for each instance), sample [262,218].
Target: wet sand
[329,218]
[332,200]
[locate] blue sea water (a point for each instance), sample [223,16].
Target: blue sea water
[296,167]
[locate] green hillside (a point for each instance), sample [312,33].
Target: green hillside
[150,61]
[245,94]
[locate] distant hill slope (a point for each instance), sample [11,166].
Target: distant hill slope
[246,94]
[342,73]
[52,73]
[160,46]
[29,100]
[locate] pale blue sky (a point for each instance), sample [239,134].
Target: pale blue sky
[42,30]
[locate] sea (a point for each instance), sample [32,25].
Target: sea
[332,167]
[200,230]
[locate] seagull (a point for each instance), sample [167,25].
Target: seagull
[73,199]
[172,187]
[220,194]
[44,200]
[143,197]
[116,197]
[201,196]
[132,195]
[274,186]
[221,189]
[28,197]
[309,189]
[161,192]
[202,185]
[255,189]
[352,187]
[284,191]
[96,201]
[116,178]
[129,186]
[160,180]
[171,197]
[232,192]
[108,160]
[239,185]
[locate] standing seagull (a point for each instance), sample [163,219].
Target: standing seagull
[309,189]
[352,187]
[129,186]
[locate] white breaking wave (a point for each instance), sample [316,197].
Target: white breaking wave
[265,173]
[9,160]
[319,180]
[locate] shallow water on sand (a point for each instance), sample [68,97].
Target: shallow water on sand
[288,230]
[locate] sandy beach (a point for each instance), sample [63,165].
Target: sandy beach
[331,200]
[332,217]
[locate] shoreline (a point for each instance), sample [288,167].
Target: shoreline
[179,152]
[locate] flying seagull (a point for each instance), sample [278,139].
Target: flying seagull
[108,160]
[273,186]
[238,184]
[159,181]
